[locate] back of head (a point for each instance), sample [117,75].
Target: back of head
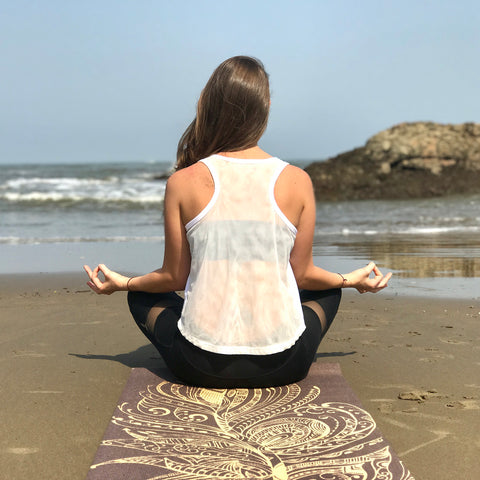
[232,112]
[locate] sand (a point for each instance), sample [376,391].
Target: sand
[66,354]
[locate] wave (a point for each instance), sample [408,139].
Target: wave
[320,236]
[395,230]
[60,182]
[444,229]
[81,185]
[76,191]
[71,198]
[51,240]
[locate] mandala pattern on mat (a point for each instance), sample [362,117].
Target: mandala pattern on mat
[271,433]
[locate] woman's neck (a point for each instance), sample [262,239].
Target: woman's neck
[247,154]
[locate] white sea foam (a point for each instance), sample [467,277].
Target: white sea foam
[442,229]
[17,183]
[136,194]
[39,197]
[397,230]
[51,240]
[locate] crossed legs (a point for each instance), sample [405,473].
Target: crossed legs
[157,316]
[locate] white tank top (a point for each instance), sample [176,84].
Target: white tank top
[241,295]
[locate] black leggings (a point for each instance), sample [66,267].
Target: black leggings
[199,367]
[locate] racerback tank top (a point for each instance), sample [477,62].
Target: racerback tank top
[241,295]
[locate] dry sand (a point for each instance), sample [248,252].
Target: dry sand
[66,354]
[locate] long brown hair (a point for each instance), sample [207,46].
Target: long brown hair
[232,111]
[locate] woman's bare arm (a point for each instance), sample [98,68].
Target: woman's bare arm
[308,275]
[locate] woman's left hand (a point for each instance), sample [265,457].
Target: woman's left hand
[113,281]
[363,282]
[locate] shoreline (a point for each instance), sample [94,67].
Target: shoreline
[446,268]
[67,354]
[436,288]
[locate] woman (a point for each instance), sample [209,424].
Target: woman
[239,228]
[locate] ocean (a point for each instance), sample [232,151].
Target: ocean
[55,218]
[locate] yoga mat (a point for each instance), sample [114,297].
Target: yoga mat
[313,429]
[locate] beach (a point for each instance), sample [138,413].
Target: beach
[410,352]
[67,353]
[376,102]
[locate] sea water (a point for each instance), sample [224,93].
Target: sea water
[55,218]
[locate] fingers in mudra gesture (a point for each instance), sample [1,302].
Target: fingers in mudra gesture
[369,279]
[111,282]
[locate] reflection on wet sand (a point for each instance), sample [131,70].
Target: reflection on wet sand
[418,257]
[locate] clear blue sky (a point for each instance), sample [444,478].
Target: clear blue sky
[119,79]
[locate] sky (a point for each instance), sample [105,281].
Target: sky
[118,80]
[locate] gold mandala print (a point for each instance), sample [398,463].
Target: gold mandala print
[270,433]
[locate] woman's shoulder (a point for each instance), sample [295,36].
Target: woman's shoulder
[295,175]
[191,186]
[188,174]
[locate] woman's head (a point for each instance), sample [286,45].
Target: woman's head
[232,111]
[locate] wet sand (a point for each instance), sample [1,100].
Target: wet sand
[66,354]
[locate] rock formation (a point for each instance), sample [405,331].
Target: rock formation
[409,160]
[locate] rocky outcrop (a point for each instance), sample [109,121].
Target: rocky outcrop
[420,159]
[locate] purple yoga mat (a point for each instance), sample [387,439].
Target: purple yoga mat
[313,429]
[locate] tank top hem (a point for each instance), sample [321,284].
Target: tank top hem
[243,350]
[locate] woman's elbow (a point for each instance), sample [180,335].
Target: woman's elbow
[179,279]
[178,285]
[300,276]
[177,282]
[303,283]
[172,281]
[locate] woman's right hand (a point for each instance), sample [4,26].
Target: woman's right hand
[361,279]
[113,281]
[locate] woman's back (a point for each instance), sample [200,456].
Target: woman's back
[197,187]
[241,296]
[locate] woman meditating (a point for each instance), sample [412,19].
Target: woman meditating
[239,228]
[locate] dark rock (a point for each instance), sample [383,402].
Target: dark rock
[420,159]
[163,176]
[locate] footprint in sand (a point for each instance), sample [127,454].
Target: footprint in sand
[437,356]
[419,395]
[453,341]
[427,360]
[466,404]
[385,408]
